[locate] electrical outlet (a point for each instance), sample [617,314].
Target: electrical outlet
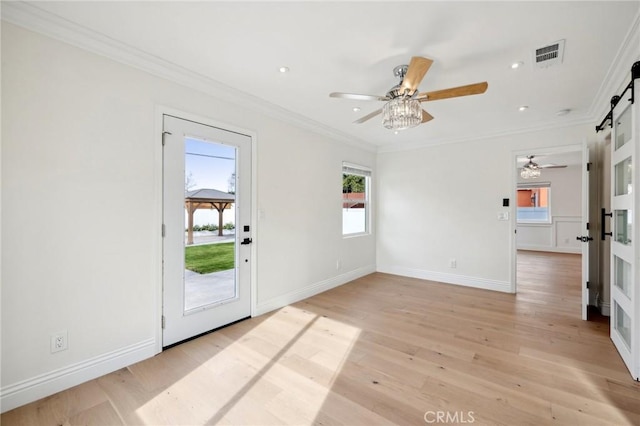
[453,263]
[59,342]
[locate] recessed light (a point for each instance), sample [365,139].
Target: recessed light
[396,132]
[562,112]
[517,65]
[356,109]
[523,108]
[283,69]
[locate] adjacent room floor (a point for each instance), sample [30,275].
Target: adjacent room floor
[380,350]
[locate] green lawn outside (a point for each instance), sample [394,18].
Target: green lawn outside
[209,258]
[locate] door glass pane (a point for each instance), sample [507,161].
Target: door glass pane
[623,177]
[623,226]
[623,324]
[210,266]
[623,128]
[623,276]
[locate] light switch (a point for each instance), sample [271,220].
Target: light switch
[503,216]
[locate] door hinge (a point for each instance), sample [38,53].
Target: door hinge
[589,166]
[588,286]
[587,226]
[164,230]
[163,322]
[163,135]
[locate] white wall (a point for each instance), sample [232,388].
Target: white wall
[432,207]
[79,141]
[566,213]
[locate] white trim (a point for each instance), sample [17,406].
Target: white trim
[356,169]
[550,249]
[26,391]
[159,219]
[442,277]
[312,289]
[35,19]
[429,143]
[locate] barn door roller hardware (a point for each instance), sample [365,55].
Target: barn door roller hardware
[635,74]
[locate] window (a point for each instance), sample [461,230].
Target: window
[534,202]
[356,182]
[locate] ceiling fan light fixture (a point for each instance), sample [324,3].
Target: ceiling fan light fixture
[401,113]
[530,170]
[527,173]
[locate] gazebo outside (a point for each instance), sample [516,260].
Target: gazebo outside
[206,198]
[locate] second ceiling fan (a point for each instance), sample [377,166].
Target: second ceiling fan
[403,101]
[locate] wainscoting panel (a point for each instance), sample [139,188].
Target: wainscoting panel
[558,236]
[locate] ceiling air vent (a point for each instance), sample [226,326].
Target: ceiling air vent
[549,55]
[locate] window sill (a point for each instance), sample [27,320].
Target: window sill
[356,235]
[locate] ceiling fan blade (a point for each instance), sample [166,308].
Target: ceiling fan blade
[418,67]
[358,97]
[368,116]
[454,92]
[426,116]
[552,166]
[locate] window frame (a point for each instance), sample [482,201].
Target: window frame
[532,185]
[366,172]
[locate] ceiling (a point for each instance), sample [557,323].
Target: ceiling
[354,46]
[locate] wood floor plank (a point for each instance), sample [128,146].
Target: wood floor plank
[382,349]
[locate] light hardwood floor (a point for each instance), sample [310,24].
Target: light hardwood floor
[380,350]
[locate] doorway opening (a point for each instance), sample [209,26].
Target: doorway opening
[550,216]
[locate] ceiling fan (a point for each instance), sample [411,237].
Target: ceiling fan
[531,165]
[532,170]
[402,108]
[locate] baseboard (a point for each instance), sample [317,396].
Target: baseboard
[605,308]
[312,290]
[569,250]
[463,280]
[26,391]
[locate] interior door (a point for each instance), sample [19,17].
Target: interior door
[625,282]
[586,230]
[206,228]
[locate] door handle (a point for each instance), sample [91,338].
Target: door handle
[246,241]
[584,239]
[603,214]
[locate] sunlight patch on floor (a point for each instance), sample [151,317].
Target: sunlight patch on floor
[279,370]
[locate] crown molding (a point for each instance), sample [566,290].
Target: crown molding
[410,146]
[31,17]
[619,72]
[38,20]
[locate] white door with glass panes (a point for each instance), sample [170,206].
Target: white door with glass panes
[625,278]
[207,234]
